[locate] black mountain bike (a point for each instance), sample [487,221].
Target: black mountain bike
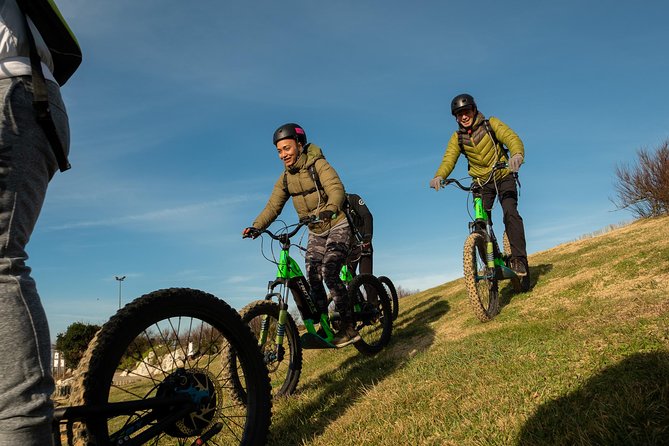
[277,333]
[157,373]
[484,264]
[346,276]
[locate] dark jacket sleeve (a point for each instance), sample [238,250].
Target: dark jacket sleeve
[359,206]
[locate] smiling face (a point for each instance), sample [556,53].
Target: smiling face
[289,151]
[466,117]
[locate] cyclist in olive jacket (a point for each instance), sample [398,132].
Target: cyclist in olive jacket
[482,141]
[316,190]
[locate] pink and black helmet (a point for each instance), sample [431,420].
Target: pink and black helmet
[290,131]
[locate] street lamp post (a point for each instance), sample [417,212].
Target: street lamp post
[120,279]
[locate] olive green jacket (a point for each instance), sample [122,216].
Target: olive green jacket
[308,199]
[480,149]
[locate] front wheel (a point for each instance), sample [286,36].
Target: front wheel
[392,292]
[284,362]
[371,312]
[480,281]
[167,344]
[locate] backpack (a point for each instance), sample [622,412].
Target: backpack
[359,217]
[57,35]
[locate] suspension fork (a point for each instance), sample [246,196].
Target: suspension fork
[481,215]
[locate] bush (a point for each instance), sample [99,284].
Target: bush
[644,188]
[403,292]
[74,342]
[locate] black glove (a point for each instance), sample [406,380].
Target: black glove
[250,232]
[326,215]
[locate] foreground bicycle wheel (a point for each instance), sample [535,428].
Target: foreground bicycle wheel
[284,362]
[372,313]
[170,343]
[392,293]
[481,283]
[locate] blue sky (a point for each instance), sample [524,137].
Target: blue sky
[174,106]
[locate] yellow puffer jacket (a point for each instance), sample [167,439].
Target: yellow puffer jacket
[480,149]
[308,197]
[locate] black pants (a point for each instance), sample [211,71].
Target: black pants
[507,193]
[359,258]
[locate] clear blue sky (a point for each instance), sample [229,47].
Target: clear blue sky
[173,109]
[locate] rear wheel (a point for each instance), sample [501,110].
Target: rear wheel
[284,362]
[392,293]
[371,312]
[167,344]
[480,281]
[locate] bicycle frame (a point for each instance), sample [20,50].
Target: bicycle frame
[481,218]
[290,276]
[184,404]
[495,262]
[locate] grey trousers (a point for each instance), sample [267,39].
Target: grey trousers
[26,166]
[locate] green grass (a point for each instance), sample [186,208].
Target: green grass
[581,359]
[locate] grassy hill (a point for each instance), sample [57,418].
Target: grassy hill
[581,359]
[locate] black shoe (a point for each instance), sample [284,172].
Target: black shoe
[518,267]
[346,336]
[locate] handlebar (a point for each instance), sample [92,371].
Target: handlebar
[284,237]
[496,167]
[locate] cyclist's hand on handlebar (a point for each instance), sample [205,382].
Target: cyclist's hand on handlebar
[308,219]
[515,162]
[435,183]
[326,215]
[251,232]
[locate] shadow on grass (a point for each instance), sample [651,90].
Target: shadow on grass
[536,272]
[625,404]
[298,423]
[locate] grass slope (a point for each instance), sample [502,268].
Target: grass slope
[581,359]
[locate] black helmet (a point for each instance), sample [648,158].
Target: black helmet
[462,102]
[290,131]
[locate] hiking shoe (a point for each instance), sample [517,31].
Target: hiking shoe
[346,336]
[518,267]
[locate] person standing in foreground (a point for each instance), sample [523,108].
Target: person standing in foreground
[317,191]
[482,142]
[29,157]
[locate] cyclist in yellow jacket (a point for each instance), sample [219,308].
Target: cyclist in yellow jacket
[482,142]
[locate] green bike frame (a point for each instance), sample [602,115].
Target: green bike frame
[290,275]
[492,261]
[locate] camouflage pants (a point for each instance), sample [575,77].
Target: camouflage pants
[325,256]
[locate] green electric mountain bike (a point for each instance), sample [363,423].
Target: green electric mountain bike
[277,333]
[483,262]
[156,373]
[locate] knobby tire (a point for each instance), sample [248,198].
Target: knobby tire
[392,291]
[189,330]
[374,319]
[482,292]
[284,373]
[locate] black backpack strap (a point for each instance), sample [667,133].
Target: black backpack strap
[317,180]
[318,187]
[462,148]
[491,132]
[41,101]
